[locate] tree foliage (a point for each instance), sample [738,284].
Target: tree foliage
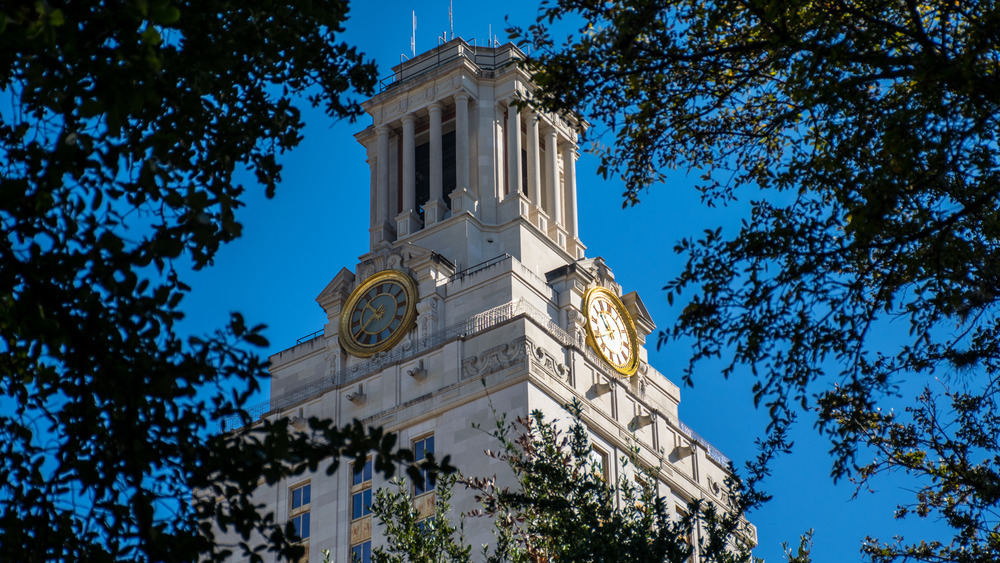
[123,124]
[411,538]
[561,507]
[863,134]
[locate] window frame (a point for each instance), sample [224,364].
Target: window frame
[361,487]
[299,513]
[420,449]
[364,552]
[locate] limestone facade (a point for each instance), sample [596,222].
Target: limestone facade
[475,199]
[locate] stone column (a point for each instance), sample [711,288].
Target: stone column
[499,151]
[569,173]
[534,163]
[381,230]
[462,141]
[488,183]
[555,191]
[462,199]
[435,208]
[408,220]
[557,228]
[513,150]
[570,155]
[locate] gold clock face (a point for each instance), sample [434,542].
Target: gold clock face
[610,331]
[378,313]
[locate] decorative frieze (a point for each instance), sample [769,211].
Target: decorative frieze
[497,358]
[519,351]
[546,362]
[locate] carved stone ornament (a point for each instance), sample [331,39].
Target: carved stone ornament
[380,259]
[358,397]
[427,321]
[361,529]
[574,326]
[713,487]
[333,359]
[548,363]
[497,358]
[418,372]
[639,383]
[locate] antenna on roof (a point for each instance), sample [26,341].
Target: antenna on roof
[451,18]
[413,36]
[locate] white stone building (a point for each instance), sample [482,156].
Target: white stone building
[475,274]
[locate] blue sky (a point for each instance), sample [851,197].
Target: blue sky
[317,224]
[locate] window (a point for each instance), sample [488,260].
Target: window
[645,491]
[690,539]
[361,490]
[299,513]
[600,461]
[361,509]
[362,553]
[421,448]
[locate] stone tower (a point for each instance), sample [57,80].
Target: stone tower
[475,294]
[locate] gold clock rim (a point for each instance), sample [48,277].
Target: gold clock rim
[633,337]
[347,340]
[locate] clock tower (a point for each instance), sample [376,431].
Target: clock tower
[475,293]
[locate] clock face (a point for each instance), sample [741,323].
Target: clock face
[378,313]
[610,331]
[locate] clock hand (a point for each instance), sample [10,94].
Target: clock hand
[607,325]
[376,314]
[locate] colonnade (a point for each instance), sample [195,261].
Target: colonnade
[555,212]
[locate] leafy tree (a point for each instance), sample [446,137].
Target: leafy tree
[122,127]
[561,508]
[801,554]
[433,539]
[864,136]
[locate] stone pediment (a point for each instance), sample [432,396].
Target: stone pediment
[336,292]
[640,314]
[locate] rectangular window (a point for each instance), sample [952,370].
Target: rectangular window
[601,464]
[690,539]
[361,504]
[362,553]
[421,448]
[298,515]
[362,475]
[646,487]
[361,490]
[645,491]
[361,509]
[301,523]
